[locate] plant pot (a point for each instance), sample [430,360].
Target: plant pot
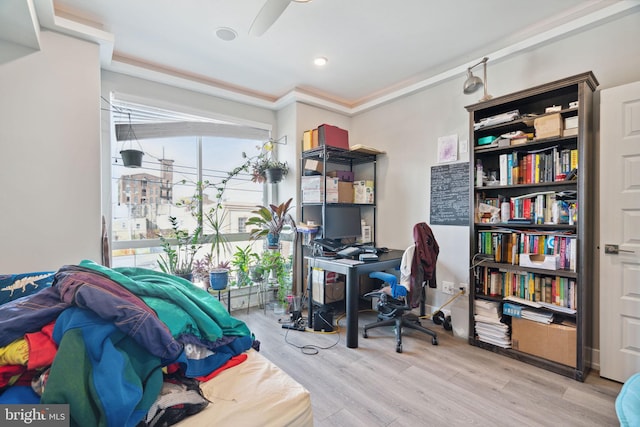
[186,276]
[280,308]
[131,158]
[218,279]
[273,175]
[273,241]
[255,273]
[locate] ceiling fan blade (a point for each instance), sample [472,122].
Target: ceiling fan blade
[269,14]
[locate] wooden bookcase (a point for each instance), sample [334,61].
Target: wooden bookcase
[550,211]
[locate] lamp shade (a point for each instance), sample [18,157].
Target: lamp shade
[472,83]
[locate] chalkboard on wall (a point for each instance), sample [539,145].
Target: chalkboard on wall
[450,194]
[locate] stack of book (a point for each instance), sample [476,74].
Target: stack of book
[489,328]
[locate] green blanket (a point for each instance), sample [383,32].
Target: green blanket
[183,307]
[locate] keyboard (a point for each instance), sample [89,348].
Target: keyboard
[349,251]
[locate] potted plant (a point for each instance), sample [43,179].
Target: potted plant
[268,169]
[220,246]
[241,262]
[179,260]
[274,265]
[270,222]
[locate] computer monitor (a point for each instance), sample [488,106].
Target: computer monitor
[342,222]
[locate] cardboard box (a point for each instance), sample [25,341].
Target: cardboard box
[571,122]
[553,342]
[546,262]
[327,287]
[570,132]
[345,192]
[363,192]
[337,191]
[314,166]
[341,175]
[333,136]
[307,140]
[317,183]
[548,126]
[318,196]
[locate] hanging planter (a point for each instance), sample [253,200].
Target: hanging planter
[273,175]
[131,158]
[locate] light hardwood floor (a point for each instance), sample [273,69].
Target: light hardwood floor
[451,384]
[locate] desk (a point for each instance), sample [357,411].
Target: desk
[385,261]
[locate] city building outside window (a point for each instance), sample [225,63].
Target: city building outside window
[180,152]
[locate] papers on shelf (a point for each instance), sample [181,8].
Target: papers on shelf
[537,316]
[544,305]
[523,301]
[488,326]
[558,308]
[497,119]
[348,261]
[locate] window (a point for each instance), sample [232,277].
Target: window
[242,224]
[180,152]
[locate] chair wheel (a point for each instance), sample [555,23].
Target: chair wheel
[399,348]
[438,317]
[365,335]
[434,341]
[447,323]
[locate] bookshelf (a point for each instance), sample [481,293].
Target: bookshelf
[531,227]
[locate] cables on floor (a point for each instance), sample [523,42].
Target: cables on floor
[313,349]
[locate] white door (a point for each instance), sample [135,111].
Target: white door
[620,225]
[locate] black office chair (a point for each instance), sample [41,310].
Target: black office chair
[418,268]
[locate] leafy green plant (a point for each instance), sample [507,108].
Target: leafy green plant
[241,262]
[270,220]
[262,163]
[179,248]
[215,218]
[275,264]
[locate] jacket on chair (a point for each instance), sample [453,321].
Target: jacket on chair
[425,257]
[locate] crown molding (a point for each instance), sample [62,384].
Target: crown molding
[132,67]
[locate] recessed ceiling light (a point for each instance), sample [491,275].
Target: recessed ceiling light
[226,34]
[320,61]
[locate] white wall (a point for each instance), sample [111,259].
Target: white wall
[49,167]
[408,129]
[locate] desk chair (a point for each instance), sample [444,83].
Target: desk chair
[393,310]
[416,271]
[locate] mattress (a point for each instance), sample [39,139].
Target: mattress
[254,393]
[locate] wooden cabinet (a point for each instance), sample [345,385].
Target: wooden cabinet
[531,232]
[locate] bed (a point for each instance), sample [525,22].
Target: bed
[134,347]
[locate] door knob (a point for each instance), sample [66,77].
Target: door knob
[615,249]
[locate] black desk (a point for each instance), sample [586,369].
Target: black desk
[385,261]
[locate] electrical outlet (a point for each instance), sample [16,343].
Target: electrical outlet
[464,287]
[447,288]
